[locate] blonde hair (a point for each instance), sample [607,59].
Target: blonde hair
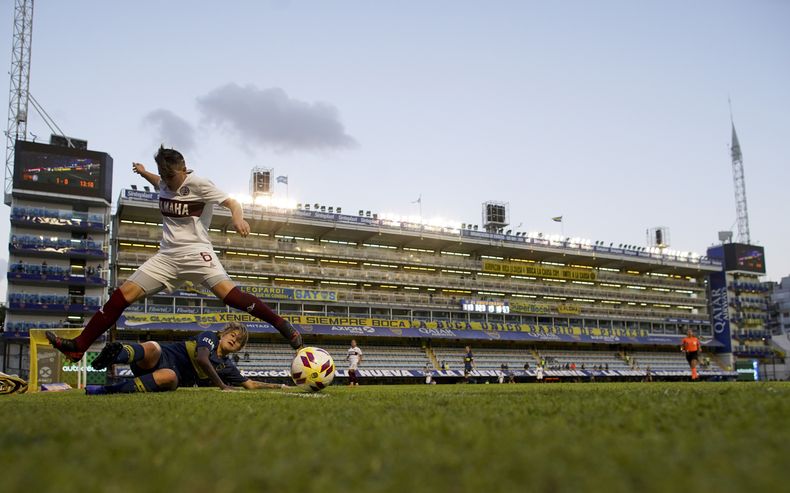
[243,334]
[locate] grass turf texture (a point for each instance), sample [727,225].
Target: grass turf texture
[553,437]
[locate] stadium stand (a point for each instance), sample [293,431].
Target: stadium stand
[414,295]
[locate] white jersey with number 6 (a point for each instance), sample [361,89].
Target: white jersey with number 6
[186,214]
[185,252]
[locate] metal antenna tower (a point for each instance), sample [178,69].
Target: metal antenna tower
[740,186]
[19,88]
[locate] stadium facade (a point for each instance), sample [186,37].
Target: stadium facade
[58,242]
[414,294]
[427,289]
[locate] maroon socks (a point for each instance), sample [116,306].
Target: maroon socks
[102,320]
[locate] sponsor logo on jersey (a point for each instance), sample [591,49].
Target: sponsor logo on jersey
[208,341]
[178,208]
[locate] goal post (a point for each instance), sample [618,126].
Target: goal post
[48,365]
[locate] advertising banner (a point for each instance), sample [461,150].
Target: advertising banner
[720,310]
[521,269]
[264,292]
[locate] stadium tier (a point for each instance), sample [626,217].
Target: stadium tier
[405,291]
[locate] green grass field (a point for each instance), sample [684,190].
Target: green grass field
[713,437]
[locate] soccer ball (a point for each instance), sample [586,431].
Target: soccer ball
[312,369]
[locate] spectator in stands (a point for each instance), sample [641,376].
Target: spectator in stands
[469,363]
[606,366]
[186,202]
[354,358]
[692,347]
[526,366]
[444,365]
[202,360]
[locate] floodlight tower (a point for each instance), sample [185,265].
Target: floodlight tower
[740,188]
[19,88]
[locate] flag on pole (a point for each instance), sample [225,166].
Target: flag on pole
[282,179]
[557,219]
[418,201]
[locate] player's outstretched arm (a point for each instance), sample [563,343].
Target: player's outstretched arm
[151,178]
[208,368]
[237,216]
[255,385]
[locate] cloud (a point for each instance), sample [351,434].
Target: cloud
[171,129]
[270,119]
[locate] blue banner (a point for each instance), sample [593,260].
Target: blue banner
[265,293]
[720,310]
[140,195]
[123,371]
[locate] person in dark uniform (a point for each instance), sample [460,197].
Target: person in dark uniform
[469,363]
[203,360]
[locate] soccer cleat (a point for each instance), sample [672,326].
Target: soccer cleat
[107,355]
[66,346]
[95,390]
[296,339]
[293,335]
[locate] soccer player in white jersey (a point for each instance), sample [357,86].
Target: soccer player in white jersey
[354,358]
[185,254]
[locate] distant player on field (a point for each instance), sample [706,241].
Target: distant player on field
[354,358]
[692,347]
[428,372]
[185,254]
[469,363]
[202,360]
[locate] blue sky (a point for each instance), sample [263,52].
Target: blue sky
[612,114]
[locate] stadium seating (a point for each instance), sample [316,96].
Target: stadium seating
[265,356]
[485,359]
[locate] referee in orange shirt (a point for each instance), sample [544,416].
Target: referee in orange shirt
[692,347]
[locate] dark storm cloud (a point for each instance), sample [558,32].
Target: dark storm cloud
[171,130]
[268,118]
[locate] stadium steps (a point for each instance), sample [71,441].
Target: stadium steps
[432,357]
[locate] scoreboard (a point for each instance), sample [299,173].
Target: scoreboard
[48,168]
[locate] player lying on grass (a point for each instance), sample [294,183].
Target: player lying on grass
[185,253]
[202,360]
